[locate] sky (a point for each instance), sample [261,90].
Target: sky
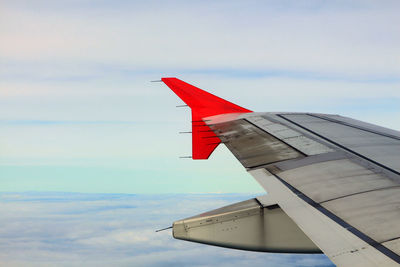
[78,112]
[89,147]
[76,229]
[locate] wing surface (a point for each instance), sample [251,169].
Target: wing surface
[344,171]
[337,178]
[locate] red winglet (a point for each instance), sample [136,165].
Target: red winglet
[203,104]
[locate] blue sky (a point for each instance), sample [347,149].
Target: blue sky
[78,113]
[75,229]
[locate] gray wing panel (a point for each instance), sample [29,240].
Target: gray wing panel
[377,146]
[374,213]
[359,124]
[252,146]
[348,172]
[333,179]
[365,200]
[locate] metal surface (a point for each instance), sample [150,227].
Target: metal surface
[343,175]
[341,246]
[375,213]
[337,178]
[293,138]
[374,146]
[253,146]
[334,179]
[393,245]
[246,225]
[359,124]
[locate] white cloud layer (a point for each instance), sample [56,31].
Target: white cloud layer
[65,229]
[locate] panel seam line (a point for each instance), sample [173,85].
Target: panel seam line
[358,193]
[353,126]
[339,145]
[255,125]
[378,246]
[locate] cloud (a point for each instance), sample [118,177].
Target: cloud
[71,229]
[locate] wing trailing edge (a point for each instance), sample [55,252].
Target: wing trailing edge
[202,104]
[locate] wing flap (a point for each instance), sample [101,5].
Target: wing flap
[333,179]
[342,246]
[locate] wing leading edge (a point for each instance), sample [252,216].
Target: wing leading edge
[338,179]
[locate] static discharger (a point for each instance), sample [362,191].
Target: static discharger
[163,229]
[202,105]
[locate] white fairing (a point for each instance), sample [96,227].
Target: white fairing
[255,224]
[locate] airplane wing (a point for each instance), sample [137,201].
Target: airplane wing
[333,183]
